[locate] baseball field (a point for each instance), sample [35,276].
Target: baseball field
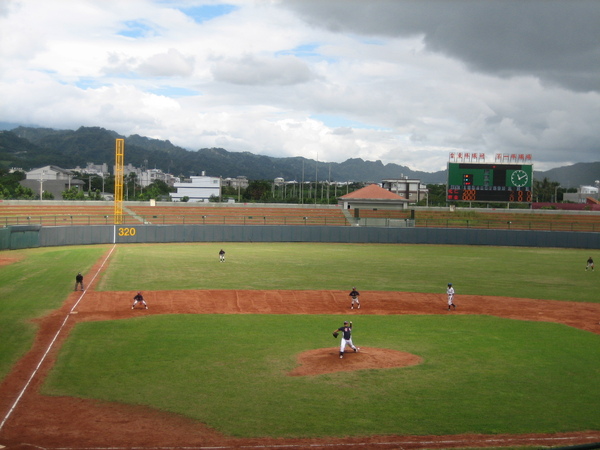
[240,353]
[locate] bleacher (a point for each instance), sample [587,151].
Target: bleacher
[64,214]
[238,215]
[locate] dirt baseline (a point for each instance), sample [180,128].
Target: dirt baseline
[60,422]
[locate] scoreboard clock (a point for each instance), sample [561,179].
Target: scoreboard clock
[482,182]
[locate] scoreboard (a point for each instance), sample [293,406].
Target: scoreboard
[489,182]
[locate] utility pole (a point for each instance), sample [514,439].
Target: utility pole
[316,177]
[302,186]
[42,184]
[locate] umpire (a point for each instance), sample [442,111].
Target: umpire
[79,281]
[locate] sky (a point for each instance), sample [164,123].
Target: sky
[401,81]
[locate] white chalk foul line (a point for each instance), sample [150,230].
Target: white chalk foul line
[43,358]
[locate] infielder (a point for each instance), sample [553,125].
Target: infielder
[354,294]
[450,292]
[346,338]
[139,298]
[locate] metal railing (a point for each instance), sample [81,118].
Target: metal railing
[167,219]
[570,223]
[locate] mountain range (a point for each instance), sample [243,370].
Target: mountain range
[31,147]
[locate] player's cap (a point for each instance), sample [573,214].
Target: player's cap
[139,292]
[345,321]
[449,284]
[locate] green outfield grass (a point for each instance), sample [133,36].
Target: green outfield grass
[480,374]
[540,273]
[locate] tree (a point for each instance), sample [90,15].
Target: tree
[10,187]
[436,195]
[155,190]
[23,193]
[73,194]
[258,190]
[544,191]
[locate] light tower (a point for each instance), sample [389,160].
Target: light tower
[119,158]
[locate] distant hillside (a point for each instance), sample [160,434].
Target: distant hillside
[573,176]
[29,147]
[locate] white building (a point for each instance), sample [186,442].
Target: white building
[582,194]
[410,189]
[51,179]
[147,177]
[198,189]
[100,170]
[240,182]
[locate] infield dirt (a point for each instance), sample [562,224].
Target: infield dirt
[39,421]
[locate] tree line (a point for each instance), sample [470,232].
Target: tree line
[263,191]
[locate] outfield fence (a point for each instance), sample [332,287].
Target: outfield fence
[28,236]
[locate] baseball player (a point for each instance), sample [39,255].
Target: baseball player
[346,331]
[354,294]
[79,281]
[590,264]
[450,292]
[139,298]
[222,255]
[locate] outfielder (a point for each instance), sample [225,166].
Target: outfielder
[354,294]
[590,264]
[222,255]
[450,292]
[346,337]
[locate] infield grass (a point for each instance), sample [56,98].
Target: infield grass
[479,375]
[539,273]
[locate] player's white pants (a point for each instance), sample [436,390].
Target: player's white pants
[345,342]
[450,298]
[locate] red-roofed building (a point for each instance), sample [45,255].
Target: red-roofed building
[372,197]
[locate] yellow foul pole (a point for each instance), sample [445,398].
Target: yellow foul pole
[119,158]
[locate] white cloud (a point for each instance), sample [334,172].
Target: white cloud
[301,78]
[171,63]
[256,70]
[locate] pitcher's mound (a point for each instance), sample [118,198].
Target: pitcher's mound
[327,360]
